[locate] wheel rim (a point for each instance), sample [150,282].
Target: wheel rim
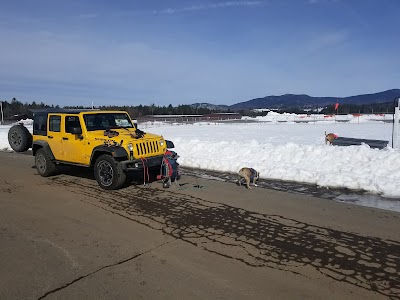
[41,163]
[106,173]
[16,138]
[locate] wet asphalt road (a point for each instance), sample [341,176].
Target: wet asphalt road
[336,194]
[64,238]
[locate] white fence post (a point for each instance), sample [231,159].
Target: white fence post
[395,138]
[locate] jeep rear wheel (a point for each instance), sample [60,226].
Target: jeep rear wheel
[43,163]
[19,138]
[108,173]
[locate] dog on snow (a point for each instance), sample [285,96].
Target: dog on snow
[329,138]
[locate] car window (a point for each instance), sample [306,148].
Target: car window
[105,121]
[71,122]
[55,123]
[40,124]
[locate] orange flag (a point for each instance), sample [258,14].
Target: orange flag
[336,105]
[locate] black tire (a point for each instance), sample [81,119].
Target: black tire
[108,173]
[19,138]
[43,163]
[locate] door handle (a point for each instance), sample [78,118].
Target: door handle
[50,137]
[65,138]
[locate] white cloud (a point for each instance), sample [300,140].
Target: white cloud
[208,6]
[71,68]
[328,40]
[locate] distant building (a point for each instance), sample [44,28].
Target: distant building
[318,109]
[264,109]
[261,109]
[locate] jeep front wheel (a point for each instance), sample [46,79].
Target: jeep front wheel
[43,163]
[108,173]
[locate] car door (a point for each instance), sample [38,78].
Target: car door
[54,135]
[73,144]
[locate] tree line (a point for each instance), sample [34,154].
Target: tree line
[381,108]
[385,108]
[16,108]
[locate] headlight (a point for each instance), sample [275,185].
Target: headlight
[161,143]
[130,147]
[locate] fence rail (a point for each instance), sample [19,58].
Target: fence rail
[289,118]
[278,118]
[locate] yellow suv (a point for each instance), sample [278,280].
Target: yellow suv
[105,140]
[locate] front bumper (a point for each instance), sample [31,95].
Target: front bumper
[137,164]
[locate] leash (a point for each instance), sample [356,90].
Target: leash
[145,170]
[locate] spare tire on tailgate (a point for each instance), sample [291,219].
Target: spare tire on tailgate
[19,138]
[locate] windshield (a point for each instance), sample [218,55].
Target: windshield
[105,121]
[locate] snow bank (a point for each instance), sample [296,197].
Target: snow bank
[289,151]
[286,151]
[354,167]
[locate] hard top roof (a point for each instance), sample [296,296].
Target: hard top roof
[67,110]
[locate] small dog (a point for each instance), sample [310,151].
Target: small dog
[329,138]
[250,175]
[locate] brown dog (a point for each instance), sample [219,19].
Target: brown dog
[250,175]
[329,138]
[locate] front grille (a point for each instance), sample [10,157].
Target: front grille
[147,148]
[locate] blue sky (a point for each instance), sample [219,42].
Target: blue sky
[180,52]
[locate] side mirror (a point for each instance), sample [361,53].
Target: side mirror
[76,130]
[170,144]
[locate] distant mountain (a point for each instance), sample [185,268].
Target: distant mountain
[290,100]
[387,96]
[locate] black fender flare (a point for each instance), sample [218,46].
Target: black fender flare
[36,145]
[115,151]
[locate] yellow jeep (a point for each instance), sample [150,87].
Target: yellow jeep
[108,141]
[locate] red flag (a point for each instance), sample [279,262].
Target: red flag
[336,105]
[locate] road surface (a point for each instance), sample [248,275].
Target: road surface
[64,238]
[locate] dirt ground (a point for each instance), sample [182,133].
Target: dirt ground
[64,238]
